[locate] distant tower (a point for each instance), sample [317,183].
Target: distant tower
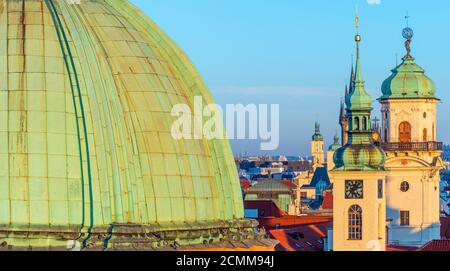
[317,149]
[334,147]
[408,108]
[359,205]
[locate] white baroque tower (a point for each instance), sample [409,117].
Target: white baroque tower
[408,108]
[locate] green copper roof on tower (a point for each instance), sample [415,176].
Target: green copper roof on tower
[408,80]
[359,154]
[358,99]
[317,135]
[335,146]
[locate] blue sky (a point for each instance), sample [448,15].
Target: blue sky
[297,53]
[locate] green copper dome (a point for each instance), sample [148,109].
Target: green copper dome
[359,154]
[317,136]
[359,157]
[408,81]
[86,151]
[335,146]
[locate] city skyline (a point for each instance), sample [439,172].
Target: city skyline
[312,64]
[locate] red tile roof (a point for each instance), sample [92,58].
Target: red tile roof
[400,248]
[292,221]
[437,245]
[289,183]
[302,238]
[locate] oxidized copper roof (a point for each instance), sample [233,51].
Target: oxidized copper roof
[86,93]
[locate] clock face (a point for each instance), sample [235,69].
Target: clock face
[354,189]
[408,33]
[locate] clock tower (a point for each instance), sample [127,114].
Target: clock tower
[359,209]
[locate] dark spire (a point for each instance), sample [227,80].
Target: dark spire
[342,114]
[352,79]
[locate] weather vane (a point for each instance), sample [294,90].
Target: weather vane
[407,19]
[408,34]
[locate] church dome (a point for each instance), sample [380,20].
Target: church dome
[359,157]
[86,93]
[408,81]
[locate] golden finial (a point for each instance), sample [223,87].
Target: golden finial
[358,37]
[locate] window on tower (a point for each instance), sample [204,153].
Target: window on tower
[425,135]
[404,186]
[364,125]
[355,223]
[404,218]
[380,189]
[356,123]
[404,132]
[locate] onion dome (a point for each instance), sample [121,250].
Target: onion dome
[87,154]
[317,136]
[359,154]
[408,80]
[360,157]
[335,146]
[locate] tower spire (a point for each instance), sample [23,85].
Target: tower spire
[358,74]
[352,77]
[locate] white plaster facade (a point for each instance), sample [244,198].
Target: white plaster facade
[317,152]
[418,165]
[373,212]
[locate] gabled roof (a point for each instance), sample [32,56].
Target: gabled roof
[436,245]
[320,174]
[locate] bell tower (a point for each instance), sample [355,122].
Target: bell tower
[408,109]
[317,147]
[359,209]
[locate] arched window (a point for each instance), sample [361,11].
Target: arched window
[355,223]
[404,132]
[356,124]
[385,135]
[425,135]
[364,124]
